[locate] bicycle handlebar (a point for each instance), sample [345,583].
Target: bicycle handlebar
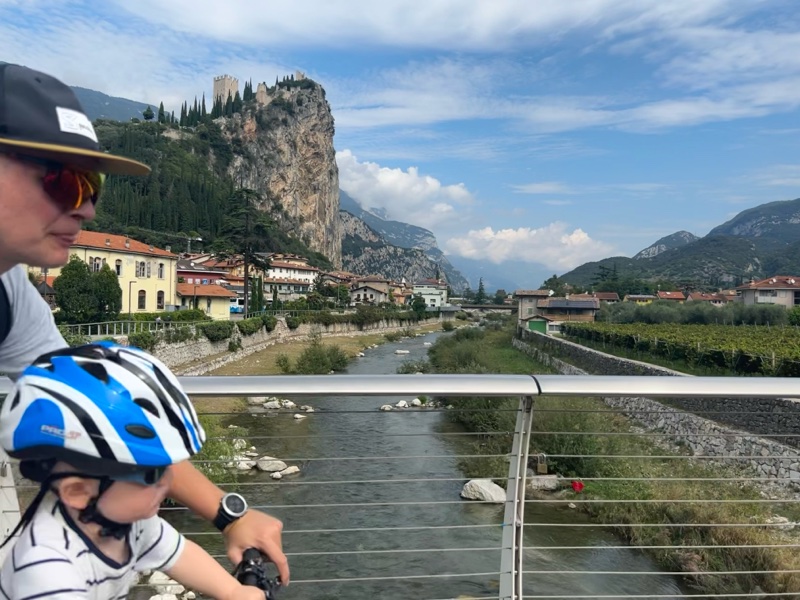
[253,571]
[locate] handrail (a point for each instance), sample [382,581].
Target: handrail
[598,386]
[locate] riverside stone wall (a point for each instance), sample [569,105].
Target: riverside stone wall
[704,437]
[199,356]
[764,416]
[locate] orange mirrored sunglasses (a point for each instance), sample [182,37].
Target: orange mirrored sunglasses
[67,187]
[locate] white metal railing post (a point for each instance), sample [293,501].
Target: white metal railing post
[511,555]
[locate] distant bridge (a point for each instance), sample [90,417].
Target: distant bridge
[489,308]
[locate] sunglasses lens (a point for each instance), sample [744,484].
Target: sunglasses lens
[146,477]
[70,189]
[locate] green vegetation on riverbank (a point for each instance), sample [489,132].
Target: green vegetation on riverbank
[588,428]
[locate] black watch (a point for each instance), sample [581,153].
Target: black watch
[231,507]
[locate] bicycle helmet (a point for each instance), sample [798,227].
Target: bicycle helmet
[103,408]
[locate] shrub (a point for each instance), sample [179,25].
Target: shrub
[283,363]
[414,366]
[270,322]
[189,314]
[393,336]
[216,331]
[293,322]
[146,340]
[316,359]
[173,335]
[448,326]
[461,316]
[250,326]
[73,339]
[235,345]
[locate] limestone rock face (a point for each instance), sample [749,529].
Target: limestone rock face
[283,150]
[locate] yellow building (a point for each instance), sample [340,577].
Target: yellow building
[147,275]
[214,299]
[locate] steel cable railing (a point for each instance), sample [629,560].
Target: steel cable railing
[355,529]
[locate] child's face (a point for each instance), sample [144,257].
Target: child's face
[126,502]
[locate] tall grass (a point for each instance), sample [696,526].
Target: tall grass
[587,428]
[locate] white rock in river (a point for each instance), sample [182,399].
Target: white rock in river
[272,404]
[270,464]
[290,470]
[298,416]
[401,351]
[483,489]
[386,407]
[402,404]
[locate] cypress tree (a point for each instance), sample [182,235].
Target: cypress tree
[161,116]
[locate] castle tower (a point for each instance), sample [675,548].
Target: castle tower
[225,85]
[261,93]
[299,75]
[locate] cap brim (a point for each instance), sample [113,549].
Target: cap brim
[89,160]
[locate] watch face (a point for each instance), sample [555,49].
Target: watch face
[235,504]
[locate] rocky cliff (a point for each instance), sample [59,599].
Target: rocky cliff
[405,235]
[364,251]
[283,149]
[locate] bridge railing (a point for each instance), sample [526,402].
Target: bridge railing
[366,532]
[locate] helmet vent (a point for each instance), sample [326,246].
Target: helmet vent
[96,370]
[147,405]
[140,431]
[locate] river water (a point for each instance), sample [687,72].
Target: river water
[353,427]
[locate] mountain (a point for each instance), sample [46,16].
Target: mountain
[676,240]
[758,242]
[404,235]
[102,106]
[366,252]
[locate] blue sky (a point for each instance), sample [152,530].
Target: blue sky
[551,132]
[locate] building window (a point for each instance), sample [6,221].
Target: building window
[148,269]
[161,270]
[142,300]
[118,267]
[160,301]
[208,305]
[140,268]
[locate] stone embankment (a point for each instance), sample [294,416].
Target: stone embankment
[199,356]
[733,432]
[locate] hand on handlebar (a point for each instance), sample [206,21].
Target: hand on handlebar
[253,571]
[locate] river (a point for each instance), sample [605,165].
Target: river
[353,427]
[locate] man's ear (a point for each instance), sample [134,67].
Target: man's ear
[76,492]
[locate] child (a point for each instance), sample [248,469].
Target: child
[100,426]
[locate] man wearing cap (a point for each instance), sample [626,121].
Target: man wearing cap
[51,175]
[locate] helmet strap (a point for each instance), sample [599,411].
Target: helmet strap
[92,514]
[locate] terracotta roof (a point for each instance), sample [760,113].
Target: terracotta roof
[709,297]
[216,291]
[367,287]
[606,295]
[670,295]
[540,293]
[776,282]
[97,239]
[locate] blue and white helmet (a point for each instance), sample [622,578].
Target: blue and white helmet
[103,408]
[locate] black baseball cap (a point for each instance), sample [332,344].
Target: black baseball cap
[41,117]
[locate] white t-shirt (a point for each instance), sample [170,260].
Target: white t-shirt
[53,559]
[33,331]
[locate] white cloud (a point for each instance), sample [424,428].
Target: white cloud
[407,196]
[553,246]
[434,24]
[778,176]
[543,187]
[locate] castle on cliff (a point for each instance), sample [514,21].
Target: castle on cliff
[225,86]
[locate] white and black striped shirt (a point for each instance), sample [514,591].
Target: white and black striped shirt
[54,559]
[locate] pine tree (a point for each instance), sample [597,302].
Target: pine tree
[148,114]
[237,103]
[161,117]
[480,295]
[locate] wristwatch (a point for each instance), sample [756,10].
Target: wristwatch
[231,507]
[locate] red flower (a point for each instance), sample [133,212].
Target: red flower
[577,486]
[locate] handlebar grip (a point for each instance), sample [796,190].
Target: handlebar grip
[249,579]
[252,554]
